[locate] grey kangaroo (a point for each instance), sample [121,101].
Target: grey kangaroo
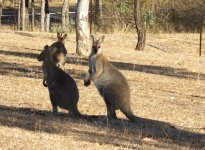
[62,88]
[110,82]
[112,85]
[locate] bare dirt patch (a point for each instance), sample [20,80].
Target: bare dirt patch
[167,85]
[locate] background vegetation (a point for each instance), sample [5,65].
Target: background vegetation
[117,15]
[168,15]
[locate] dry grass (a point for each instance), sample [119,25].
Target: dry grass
[167,84]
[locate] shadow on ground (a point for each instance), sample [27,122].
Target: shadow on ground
[40,120]
[20,70]
[159,70]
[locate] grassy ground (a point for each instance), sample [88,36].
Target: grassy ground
[167,85]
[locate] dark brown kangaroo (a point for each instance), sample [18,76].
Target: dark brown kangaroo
[58,56]
[62,88]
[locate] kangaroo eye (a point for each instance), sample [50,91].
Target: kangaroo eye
[98,46]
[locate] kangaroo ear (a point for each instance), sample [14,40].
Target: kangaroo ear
[46,48]
[65,36]
[102,39]
[92,37]
[42,55]
[58,35]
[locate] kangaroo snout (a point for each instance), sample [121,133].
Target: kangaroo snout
[87,82]
[39,58]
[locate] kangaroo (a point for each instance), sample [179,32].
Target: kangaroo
[59,58]
[62,59]
[110,82]
[62,88]
[58,52]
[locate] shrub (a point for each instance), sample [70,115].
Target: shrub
[169,16]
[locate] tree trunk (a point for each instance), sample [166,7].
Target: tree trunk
[0,11]
[65,13]
[23,15]
[67,16]
[153,6]
[19,15]
[82,27]
[33,15]
[98,13]
[47,27]
[47,23]
[42,15]
[140,26]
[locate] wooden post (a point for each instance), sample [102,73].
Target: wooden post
[47,27]
[0,11]
[14,15]
[67,15]
[26,14]
[42,15]
[200,43]
[201,30]
[33,15]
[47,22]
[23,15]
[19,15]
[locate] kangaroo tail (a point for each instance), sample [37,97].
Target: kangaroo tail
[151,122]
[131,116]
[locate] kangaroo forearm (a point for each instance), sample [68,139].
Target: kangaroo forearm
[44,83]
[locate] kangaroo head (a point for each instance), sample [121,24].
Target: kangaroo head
[43,54]
[95,60]
[61,38]
[56,53]
[96,48]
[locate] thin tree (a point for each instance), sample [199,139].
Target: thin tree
[82,27]
[26,14]
[201,26]
[140,26]
[19,15]
[98,13]
[65,13]
[47,27]
[42,15]
[153,6]
[23,15]
[0,11]
[33,15]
